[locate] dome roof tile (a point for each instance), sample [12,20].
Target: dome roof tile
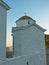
[24,18]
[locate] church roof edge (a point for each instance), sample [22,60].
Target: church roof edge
[24,27]
[4,5]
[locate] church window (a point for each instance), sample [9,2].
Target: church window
[28,22]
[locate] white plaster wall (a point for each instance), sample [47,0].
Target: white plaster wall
[32,39]
[29,40]
[17,43]
[33,59]
[3,17]
[24,22]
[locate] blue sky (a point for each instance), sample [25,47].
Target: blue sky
[37,9]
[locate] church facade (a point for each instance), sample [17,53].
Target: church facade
[28,40]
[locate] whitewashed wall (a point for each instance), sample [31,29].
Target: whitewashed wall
[24,22]
[32,59]
[28,40]
[3,17]
[17,44]
[32,39]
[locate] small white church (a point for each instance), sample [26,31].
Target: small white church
[28,40]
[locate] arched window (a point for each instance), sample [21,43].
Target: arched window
[28,22]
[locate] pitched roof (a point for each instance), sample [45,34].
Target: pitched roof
[2,3]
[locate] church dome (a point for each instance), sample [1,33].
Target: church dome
[24,18]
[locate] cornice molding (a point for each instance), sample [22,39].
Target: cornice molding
[2,3]
[27,26]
